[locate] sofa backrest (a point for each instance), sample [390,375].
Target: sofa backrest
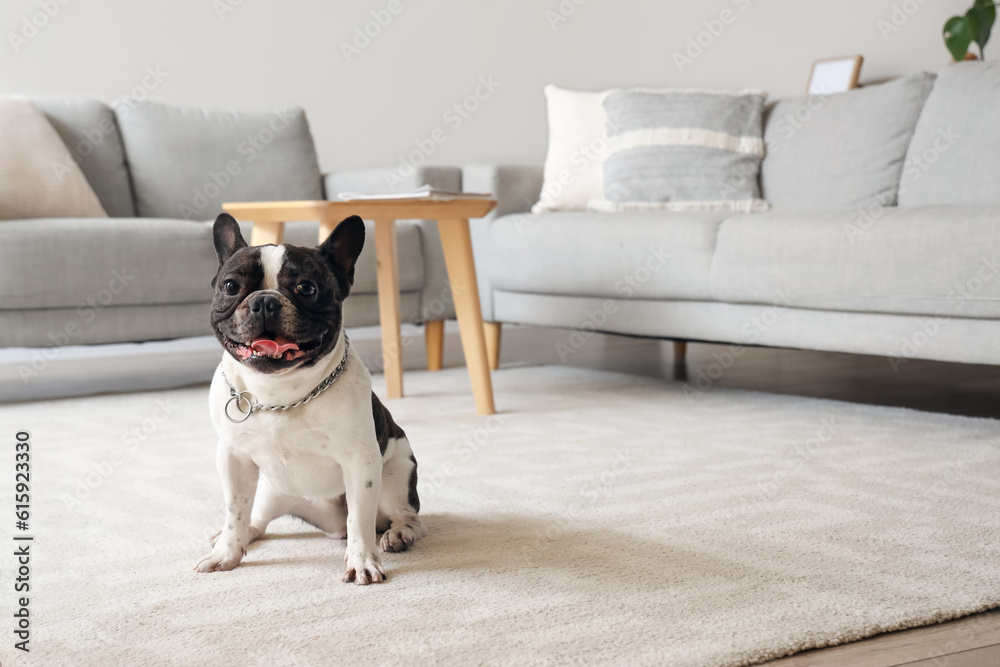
[954,156]
[841,151]
[185,162]
[90,131]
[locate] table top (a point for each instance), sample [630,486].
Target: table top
[369,209]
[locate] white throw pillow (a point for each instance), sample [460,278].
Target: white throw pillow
[572,175]
[38,176]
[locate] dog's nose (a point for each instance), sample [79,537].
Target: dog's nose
[265,305]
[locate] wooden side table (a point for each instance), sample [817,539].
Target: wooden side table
[452,215]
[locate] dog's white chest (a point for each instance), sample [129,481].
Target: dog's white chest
[301,451]
[297,462]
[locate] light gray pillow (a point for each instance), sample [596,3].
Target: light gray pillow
[841,151]
[954,156]
[682,150]
[185,162]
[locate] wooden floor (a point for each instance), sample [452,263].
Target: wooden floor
[959,389]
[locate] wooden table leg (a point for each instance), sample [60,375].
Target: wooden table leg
[434,337]
[492,331]
[265,233]
[386,257]
[457,244]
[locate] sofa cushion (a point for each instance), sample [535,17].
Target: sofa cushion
[841,151]
[954,157]
[186,162]
[682,150]
[92,264]
[64,262]
[123,324]
[930,260]
[90,131]
[641,255]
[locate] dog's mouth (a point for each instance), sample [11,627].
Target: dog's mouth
[276,347]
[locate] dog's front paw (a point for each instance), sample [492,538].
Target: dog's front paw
[398,538]
[221,559]
[363,568]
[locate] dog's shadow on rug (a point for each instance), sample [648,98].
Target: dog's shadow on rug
[558,547]
[536,546]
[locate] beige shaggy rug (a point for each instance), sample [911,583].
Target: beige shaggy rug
[598,519]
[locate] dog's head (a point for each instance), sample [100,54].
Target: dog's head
[277,308]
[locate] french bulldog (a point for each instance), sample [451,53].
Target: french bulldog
[300,430]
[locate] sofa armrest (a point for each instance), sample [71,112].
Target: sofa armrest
[436,301]
[516,188]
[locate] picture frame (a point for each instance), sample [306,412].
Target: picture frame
[834,75]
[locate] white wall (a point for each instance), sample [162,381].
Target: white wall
[431,55]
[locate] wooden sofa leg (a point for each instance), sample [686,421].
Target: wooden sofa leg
[493,330]
[680,360]
[434,337]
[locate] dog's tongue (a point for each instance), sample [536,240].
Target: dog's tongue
[272,348]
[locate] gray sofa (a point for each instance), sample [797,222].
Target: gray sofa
[162,172]
[883,238]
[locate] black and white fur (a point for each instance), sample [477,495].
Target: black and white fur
[339,462]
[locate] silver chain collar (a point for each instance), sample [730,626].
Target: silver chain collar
[245,398]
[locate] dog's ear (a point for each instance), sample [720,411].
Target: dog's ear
[341,250]
[227,237]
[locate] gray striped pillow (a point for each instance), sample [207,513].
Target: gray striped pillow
[682,150]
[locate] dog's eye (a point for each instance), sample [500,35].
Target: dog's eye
[231,287]
[305,288]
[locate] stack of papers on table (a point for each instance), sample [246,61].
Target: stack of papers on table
[425,192]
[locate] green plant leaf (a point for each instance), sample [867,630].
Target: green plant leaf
[959,32]
[985,13]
